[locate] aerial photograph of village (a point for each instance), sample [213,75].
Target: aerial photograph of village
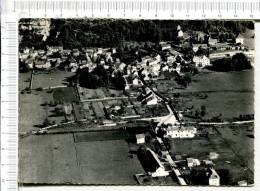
[136,102]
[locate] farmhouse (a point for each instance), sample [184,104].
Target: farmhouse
[214,179]
[212,41]
[195,47]
[180,132]
[201,61]
[159,169]
[240,39]
[140,138]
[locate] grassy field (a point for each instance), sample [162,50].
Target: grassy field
[57,159]
[24,80]
[65,95]
[107,162]
[229,93]
[241,140]
[31,111]
[219,81]
[48,159]
[229,104]
[57,78]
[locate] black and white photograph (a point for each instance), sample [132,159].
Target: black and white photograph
[136,102]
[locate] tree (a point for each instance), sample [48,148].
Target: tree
[240,62]
[203,111]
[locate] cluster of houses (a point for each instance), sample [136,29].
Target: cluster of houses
[163,164]
[152,66]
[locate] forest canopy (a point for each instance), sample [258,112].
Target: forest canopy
[77,33]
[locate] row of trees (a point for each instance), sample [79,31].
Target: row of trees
[237,62]
[72,33]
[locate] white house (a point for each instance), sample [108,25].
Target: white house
[214,179]
[180,132]
[240,39]
[75,52]
[201,61]
[180,33]
[159,168]
[150,98]
[99,51]
[195,47]
[42,64]
[165,46]
[191,162]
[212,41]
[140,138]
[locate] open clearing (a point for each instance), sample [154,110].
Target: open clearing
[57,159]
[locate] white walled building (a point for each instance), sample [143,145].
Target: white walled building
[180,132]
[240,39]
[140,138]
[214,179]
[160,169]
[201,61]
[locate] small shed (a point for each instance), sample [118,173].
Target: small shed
[140,138]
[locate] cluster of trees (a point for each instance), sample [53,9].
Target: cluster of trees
[73,33]
[237,62]
[100,77]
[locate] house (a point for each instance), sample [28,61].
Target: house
[158,169]
[179,32]
[165,46]
[191,162]
[240,39]
[213,155]
[140,138]
[175,131]
[242,183]
[113,50]
[41,52]
[149,98]
[75,52]
[200,36]
[30,63]
[23,56]
[55,48]
[67,109]
[212,41]
[66,52]
[99,51]
[201,61]
[195,47]
[42,64]
[214,179]
[73,65]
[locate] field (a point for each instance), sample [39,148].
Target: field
[57,78]
[65,95]
[221,81]
[32,113]
[228,93]
[82,162]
